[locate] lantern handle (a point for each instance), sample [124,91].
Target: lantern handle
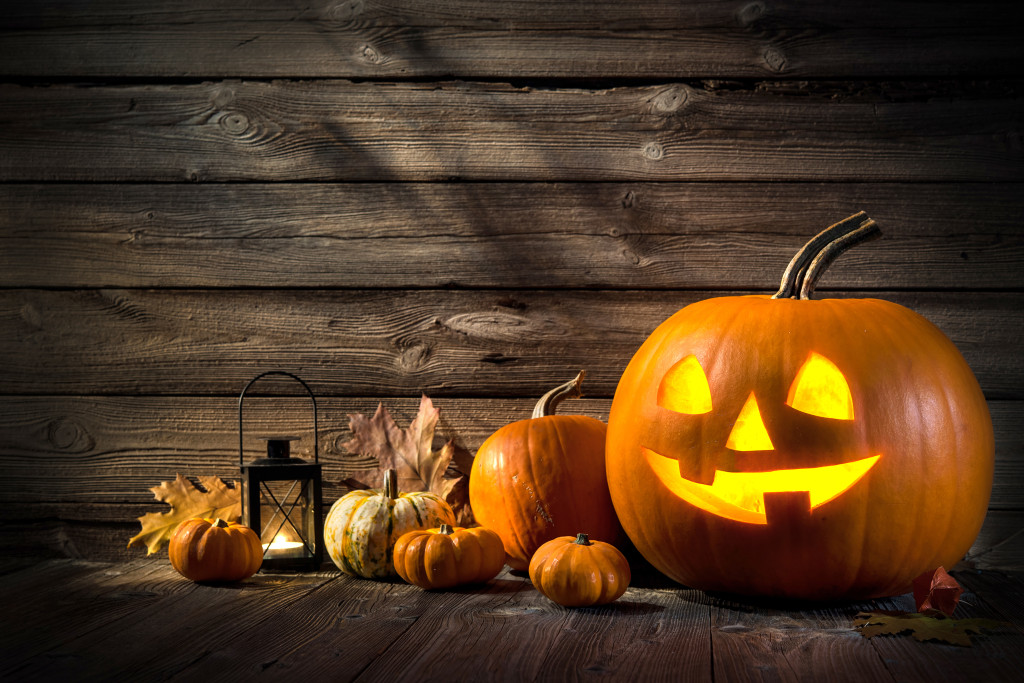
[241,400]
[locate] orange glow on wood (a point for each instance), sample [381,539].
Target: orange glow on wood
[685,389]
[739,496]
[820,389]
[749,432]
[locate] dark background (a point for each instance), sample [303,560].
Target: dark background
[464,198]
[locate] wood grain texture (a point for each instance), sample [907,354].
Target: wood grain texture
[519,39]
[523,235]
[762,640]
[201,617]
[64,451]
[387,343]
[92,598]
[367,131]
[274,626]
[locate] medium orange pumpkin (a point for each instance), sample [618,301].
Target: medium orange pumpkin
[448,556]
[536,479]
[578,572]
[214,550]
[795,447]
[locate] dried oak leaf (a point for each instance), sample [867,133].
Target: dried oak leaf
[186,501]
[922,626]
[409,452]
[936,592]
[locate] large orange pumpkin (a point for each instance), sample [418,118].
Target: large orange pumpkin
[796,447]
[536,479]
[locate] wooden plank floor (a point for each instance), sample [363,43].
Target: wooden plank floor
[140,621]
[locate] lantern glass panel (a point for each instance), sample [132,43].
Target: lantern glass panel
[286,516]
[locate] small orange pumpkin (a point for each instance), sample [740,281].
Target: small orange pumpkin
[214,550]
[537,479]
[448,556]
[578,572]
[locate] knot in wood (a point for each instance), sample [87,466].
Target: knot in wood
[669,100]
[344,12]
[67,435]
[653,151]
[774,59]
[370,54]
[223,95]
[234,123]
[751,13]
[414,357]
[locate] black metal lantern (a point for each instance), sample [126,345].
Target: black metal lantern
[282,497]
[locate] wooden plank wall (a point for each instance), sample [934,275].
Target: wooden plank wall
[467,199]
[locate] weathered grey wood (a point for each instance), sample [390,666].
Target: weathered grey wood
[516,40]
[161,636]
[529,235]
[148,623]
[1000,543]
[380,343]
[82,603]
[645,635]
[755,640]
[68,452]
[341,130]
[646,15]
[335,632]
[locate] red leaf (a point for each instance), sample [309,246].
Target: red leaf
[937,591]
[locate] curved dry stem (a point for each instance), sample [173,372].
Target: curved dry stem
[867,230]
[549,401]
[797,269]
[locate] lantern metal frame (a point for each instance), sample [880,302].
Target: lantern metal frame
[279,466]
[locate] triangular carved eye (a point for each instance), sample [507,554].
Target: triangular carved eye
[685,389]
[821,389]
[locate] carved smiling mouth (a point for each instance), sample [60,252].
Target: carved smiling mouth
[739,496]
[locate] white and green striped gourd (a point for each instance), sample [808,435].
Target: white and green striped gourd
[362,526]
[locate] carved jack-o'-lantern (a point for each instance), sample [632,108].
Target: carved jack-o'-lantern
[797,447]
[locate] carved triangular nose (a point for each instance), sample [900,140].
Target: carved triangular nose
[749,432]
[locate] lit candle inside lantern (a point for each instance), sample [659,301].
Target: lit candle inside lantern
[282,547]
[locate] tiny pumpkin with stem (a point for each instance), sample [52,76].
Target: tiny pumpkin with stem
[214,550]
[578,572]
[449,556]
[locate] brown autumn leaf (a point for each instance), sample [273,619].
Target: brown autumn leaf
[936,591]
[186,501]
[922,626]
[409,451]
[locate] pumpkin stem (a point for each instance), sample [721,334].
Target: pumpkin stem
[794,280]
[581,539]
[867,230]
[446,529]
[549,401]
[391,484]
[220,523]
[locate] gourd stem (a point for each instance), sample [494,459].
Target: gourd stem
[797,268]
[391,484]
[581,539]
[220,523]
[446,529]
[549,401]
[868,230]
